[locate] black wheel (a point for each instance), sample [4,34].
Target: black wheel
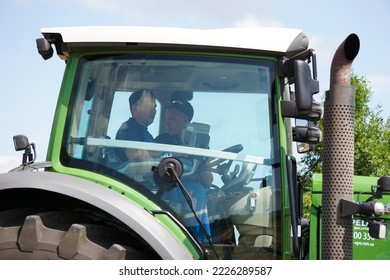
[29,234]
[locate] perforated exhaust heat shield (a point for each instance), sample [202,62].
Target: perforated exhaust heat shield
[338,153]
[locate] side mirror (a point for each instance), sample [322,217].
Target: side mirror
[298,72]
[20,142]
[306,137]
[310,134]
[305,86]
[44,48]
[303,148]
[290,110]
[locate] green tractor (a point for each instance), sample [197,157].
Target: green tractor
[227,189]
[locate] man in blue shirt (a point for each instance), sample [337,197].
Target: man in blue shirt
[143,111]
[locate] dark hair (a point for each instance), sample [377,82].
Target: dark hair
[136,96]
[185,107]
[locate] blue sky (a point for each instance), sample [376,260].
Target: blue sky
[30,85]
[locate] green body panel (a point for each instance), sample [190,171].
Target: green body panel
[364,246]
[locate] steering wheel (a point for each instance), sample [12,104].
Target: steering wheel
[234,149]
[217,164]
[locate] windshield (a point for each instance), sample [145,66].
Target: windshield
[211,114]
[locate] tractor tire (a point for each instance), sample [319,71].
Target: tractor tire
[27,234]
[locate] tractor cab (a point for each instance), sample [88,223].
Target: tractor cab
[230,140]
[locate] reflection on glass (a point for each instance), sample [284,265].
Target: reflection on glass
[226,151]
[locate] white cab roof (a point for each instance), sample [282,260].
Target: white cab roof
[278,40]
